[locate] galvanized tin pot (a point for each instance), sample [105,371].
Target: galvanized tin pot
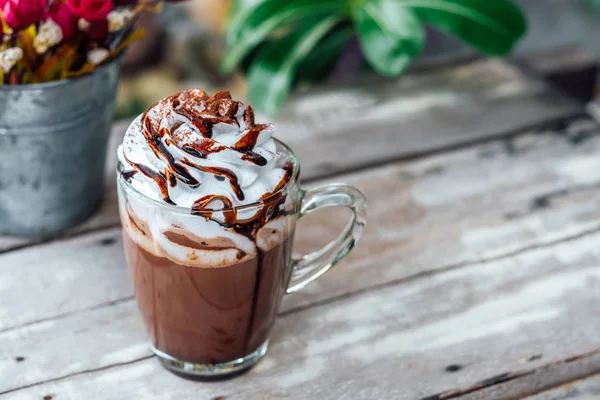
[53,139]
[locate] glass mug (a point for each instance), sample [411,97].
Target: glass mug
[208,304]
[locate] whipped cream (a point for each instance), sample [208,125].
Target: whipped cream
[205,153]
[202,152]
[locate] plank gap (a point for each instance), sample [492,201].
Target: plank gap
[546,124]
[67,236]
[70,313]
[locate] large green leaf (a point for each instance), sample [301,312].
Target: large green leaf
[492,26]
[257,21]
[323,57]
[240,9]
[272,72]
[594,5]
[389,33]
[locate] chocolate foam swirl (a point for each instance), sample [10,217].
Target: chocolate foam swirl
[203,152]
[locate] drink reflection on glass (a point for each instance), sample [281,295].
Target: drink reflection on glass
[209,202]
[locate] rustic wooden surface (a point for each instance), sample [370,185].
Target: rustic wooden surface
[477,278]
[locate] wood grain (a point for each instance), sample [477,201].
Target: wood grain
[439,212]
[584,389]
[516,385]
[454,329]
[378,121]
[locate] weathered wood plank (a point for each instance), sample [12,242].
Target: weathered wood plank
[434,213]
[388,120]
[62,277]
[584,389]
[454,329]
[419,113]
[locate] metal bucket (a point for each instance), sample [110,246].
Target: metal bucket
[53,139]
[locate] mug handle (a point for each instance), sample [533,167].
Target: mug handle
[311,266]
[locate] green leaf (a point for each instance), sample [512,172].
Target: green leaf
[321,60]
[593,5]
[240,9]
[271,74]
[390,34]
[492,26]
[254,23]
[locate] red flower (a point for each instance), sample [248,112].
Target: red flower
[90,10]
[22,13]
[61,14]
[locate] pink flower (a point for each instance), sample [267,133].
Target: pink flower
[22,13]
[90,10]
[61,14]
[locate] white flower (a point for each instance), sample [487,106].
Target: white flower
[118,19]
[9,57]
[83,25]
[98,55]
[48,35]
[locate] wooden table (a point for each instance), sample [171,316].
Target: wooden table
[478,276]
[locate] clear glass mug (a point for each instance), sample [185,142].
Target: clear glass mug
[209,300]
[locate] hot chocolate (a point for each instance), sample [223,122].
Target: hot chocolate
[209,203]
[208,226]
